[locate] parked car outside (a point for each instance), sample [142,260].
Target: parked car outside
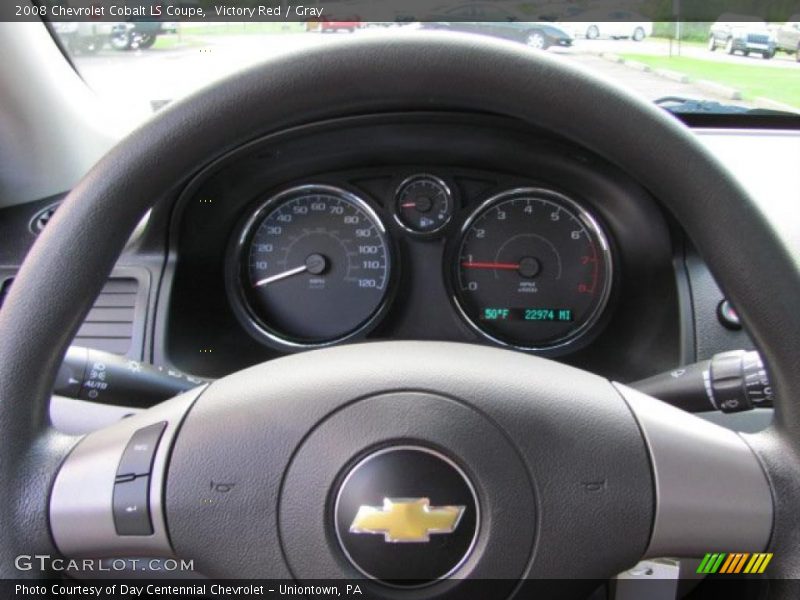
[140,35]
[494,21]
[736,33]
[615,25]
[349,24]
[83,37]
[787,37]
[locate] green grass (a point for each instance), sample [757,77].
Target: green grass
[173,42]
[778,84]
[683,42]
[246,28]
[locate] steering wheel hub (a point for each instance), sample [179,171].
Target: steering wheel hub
[407,516]
[407,488]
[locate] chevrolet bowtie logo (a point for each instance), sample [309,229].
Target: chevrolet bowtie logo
[406,519]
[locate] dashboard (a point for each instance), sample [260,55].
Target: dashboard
[422,226]
[427,226]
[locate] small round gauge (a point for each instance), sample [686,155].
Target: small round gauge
[533,270]
[423,204]
[313,267]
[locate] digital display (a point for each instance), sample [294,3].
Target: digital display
[553,315]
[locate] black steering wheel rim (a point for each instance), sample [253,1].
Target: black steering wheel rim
[70,261]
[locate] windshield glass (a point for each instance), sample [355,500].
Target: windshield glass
[728,66]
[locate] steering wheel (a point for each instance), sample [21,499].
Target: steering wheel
[406,463]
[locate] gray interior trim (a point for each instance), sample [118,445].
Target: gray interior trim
[765,162]
[49,117]
[749,421]
[79,417]
[81,518]
[711,491]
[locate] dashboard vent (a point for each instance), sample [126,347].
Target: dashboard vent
[109,324]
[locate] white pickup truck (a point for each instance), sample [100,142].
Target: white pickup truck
[787,37]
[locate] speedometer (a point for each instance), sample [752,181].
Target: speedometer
[533,270]
[313,267]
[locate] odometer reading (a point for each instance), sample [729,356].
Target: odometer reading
[533,270]
[527,314]
[315,266]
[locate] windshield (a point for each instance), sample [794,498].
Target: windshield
[721,67]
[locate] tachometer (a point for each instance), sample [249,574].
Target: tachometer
[314,266]
[533,270]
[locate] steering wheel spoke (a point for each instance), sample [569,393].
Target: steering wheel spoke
[711,490]
[107,498]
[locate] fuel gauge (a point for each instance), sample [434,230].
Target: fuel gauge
[423,204]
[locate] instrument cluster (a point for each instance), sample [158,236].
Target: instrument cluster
[316,264]
[445,227]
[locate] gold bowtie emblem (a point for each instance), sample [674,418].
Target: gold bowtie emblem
[406,519]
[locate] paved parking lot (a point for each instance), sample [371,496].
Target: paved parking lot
[135,79]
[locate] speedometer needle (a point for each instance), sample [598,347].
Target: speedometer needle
[279,276]
[316,264]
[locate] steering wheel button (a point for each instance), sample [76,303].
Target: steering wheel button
[137,458]
[132,507]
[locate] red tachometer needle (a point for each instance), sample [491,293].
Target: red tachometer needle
[490,265]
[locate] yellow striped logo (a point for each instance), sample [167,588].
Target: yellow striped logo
[734,562]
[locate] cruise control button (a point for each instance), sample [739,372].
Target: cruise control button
[137,458]
[132,507]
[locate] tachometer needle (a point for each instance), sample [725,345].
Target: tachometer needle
[279,276]
[490,265]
